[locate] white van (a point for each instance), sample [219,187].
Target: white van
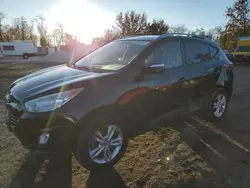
[25,49]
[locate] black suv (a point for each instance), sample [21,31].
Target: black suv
[92,106]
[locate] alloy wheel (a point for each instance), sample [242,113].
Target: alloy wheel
[219,105]
[105,144]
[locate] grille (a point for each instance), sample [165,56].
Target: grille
[13,119]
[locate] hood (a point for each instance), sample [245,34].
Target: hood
[49,78]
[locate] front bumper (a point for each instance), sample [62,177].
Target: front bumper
[28,127]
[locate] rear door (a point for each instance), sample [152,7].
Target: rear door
[203,67]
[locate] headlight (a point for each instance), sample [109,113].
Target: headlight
[51,102]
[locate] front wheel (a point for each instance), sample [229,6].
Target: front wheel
[102,143]
[218,104]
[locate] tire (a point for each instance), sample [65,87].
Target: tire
[85,142]
[211,111]
[25,56]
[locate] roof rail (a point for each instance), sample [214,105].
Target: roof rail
[127,36]
[182,34]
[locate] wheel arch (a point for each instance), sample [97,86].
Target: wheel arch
[115,109]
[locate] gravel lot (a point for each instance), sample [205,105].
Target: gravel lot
[192,153]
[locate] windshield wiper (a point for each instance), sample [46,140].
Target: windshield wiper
[90,68]
[85,67]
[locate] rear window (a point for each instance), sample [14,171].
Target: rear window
[9,48]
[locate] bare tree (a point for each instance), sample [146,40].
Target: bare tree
[30,32]
[42,29]
[132,23]
[200,31]
[24,28]
[109,35]
[215,33]
[54,36]
[2,16]
[178,29]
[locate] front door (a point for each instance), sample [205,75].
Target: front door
[165,94]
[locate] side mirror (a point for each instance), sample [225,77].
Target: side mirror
[156,68]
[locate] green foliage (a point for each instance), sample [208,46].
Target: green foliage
[131,23]
[238,18]
[157,27]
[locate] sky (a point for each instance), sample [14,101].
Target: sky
[89,18]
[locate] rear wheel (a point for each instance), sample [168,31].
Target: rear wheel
[218,104]
[25,56]
[102,143]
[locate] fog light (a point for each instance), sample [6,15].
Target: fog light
[43,139]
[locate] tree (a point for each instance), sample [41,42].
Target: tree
[178,29]
[6,34]
[109,35]
[215,33]
[42,30]
[200,31]
[238,18]
[30,32]
[157,27]
[132,23]
[58,34]
[2,16]
[24,28]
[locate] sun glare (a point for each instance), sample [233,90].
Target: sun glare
[82,18]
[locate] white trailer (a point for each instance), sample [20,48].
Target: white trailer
[25,49]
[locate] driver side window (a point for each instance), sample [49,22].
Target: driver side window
[168,54]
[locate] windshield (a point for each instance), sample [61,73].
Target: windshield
[113,56]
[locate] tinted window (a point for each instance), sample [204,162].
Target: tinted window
[169,54]
[197,52]
[9,48]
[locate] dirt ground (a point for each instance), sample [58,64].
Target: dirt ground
[190,153]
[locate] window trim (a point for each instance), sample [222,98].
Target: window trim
[185,41]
